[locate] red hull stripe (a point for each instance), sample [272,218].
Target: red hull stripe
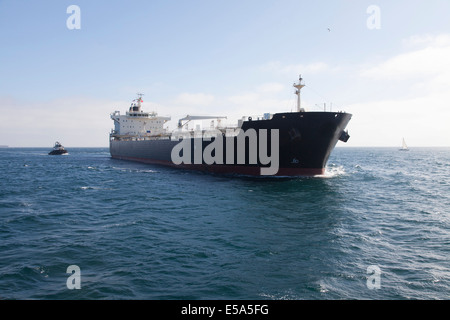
[232,169]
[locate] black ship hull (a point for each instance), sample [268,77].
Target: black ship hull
[57,152]
[305,142]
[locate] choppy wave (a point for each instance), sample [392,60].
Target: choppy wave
[143,232]
[333,171]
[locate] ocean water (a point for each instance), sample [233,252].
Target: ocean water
[138,231]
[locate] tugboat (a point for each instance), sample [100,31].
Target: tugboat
[58,149]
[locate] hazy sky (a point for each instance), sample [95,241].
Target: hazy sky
[386,62]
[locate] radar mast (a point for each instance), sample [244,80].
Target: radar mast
[299,87]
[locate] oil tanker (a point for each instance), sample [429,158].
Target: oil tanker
[282,144]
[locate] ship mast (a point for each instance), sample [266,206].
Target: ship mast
[139,100]
[299,87]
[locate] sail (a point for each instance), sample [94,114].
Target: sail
[404,146]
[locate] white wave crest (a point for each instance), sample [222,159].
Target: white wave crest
[332,171]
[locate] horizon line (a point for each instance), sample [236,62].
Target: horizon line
[337,146]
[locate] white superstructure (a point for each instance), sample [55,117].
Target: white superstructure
[137,124]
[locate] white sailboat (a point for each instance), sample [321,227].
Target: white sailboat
[404,146]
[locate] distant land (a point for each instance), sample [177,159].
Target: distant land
[3,146]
